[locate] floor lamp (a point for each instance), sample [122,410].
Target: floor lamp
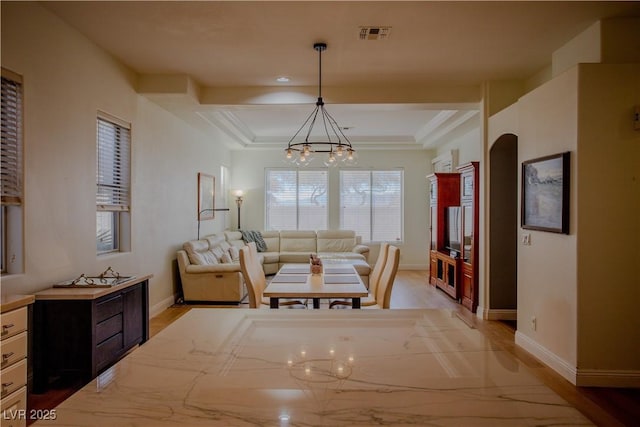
[208,210]
[239,194]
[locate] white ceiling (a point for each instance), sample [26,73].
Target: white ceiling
[416,88]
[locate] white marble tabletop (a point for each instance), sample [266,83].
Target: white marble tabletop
[241,367]
[296,285]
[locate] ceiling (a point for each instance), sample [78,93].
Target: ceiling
[416,88]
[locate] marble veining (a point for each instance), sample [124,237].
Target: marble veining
[317,368]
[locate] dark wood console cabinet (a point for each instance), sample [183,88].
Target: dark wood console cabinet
[78,333]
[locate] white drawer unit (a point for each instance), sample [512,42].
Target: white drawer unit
[14,322]
[13,359]
[14,409]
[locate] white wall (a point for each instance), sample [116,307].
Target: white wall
[67,79]
[248,174]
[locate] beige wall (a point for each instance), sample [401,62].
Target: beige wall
[547,269]
[67,79]
[248,174]
[608,224]
[468,146]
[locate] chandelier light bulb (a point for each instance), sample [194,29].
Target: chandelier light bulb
[339,151]
[289,153]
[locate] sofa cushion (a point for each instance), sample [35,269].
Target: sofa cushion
[340,255]
[336,240]
[272,239]
[218,252]
[226,258]
[235,254]
[298,241]
[199,253]
[270,257]
[294,257]
[215,240]
[225,246]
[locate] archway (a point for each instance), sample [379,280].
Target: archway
[503,228]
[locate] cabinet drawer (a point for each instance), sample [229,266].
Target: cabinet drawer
[13,408]
[108,308]
[108,328]
[109,350]
[14,322]
[14,377]
[13,349]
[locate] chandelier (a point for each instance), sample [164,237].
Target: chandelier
[331,140]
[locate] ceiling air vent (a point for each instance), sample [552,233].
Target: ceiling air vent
[374,33]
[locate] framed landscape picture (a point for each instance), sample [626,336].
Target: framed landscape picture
[206,195]
[545,194]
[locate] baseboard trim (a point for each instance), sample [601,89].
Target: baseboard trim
[558,364]
[161,306]
[501,314]
[608,378]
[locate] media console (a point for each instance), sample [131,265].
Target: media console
[453,251]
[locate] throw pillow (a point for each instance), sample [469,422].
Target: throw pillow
[225,259]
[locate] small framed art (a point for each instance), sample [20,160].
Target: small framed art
[545,193]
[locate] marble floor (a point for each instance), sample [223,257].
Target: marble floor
[246,367]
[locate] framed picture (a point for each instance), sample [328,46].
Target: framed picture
[206,196]
[545,194]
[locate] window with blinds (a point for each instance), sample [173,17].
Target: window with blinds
[11,173]
[296,199]
[371,204]
[113,182]
[11,151]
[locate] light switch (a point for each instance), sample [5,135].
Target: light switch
[526,239]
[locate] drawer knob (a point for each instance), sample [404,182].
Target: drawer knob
[5,386]
[6,357]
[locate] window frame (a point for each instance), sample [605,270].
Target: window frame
[12,201]
[372,204]
[298,171]
[114,196]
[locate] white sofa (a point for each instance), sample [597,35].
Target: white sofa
[210,268]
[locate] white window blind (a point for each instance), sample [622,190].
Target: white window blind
[113,164]
[372,204]
[296,200]
[11,147]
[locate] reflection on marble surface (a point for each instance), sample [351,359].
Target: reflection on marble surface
[317,368]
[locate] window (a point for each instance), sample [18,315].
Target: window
[11,174]
[371,204]
[296,199]
[113,185]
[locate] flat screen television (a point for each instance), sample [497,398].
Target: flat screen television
[453,225]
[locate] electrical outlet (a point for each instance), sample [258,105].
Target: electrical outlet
[526,239]
[534,323]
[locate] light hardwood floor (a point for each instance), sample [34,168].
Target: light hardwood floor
[603,406]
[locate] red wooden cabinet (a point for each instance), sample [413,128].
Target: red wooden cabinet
[444,192]
[469,201]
